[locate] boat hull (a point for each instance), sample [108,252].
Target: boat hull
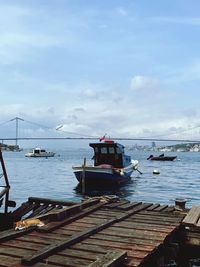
[47,155]
[163,158]
[103,176]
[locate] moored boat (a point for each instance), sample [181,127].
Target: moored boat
[162,157]
[38,152]
[111,165]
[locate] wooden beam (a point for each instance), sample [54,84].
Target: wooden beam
[110,259]
[192,216]
[51,201]
[57,224]
[61,214]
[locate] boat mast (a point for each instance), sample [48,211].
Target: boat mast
[17,126]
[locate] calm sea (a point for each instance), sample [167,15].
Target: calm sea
[53,177]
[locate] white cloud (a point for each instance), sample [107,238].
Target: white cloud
[122,11]
[140,82]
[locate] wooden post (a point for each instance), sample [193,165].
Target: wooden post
[83,176]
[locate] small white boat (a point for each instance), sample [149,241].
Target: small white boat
[38,152]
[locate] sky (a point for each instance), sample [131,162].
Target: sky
[127,68]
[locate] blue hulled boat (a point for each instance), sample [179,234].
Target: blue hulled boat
[111,165]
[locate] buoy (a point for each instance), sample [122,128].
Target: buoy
[156,172]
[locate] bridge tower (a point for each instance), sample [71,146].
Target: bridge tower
[17,119]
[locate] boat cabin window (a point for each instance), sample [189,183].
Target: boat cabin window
[36,151]
[111,150]
[119,151]
[96,149]
[103,150]
[42,150]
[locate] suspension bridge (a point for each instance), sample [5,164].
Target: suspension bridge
[77,136]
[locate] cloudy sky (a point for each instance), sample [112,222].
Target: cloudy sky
[127,68]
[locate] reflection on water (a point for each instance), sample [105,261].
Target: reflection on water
[122,191]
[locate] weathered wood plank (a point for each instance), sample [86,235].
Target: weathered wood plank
[81,254]
[158,219]
[102,247]
[10,251]
[116,204]
[152,207]
[111,259]
[37,211]
[55,225]
[10,234]
[129,206]
[161,208]
[67,261]
[61,214]
[192,216]
[20,244]
[8,260]
[143,226]
[128,240]
[170,209]
[135,234]
[51,201]
[24,209]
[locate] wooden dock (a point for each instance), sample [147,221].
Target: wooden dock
[101,231]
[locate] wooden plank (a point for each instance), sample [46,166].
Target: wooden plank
[161,208]
[59,260]
[51,201]
[81,254]
[99,238]
[170,209]
[55,225]
[158,218]
[10,234]
[8,260]
[152,207]
[20,244]
[111,259]
[129,206]
[103,246]
[136,234]
[24,209]
[192,216]
[37,211]
[61,214]
[116,204]
[78,237]
[10,251]
[143,226]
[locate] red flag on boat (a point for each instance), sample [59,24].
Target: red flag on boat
[102,138]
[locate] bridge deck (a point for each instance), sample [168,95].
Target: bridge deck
[96,231]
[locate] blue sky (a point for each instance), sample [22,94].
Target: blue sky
[127,68]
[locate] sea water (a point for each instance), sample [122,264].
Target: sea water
[53,178]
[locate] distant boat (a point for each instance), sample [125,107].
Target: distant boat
[111,165]
[38,152]
[162,157]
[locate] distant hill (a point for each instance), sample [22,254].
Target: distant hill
[9,147]
[192,147]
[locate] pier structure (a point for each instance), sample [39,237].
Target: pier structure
[100,231]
